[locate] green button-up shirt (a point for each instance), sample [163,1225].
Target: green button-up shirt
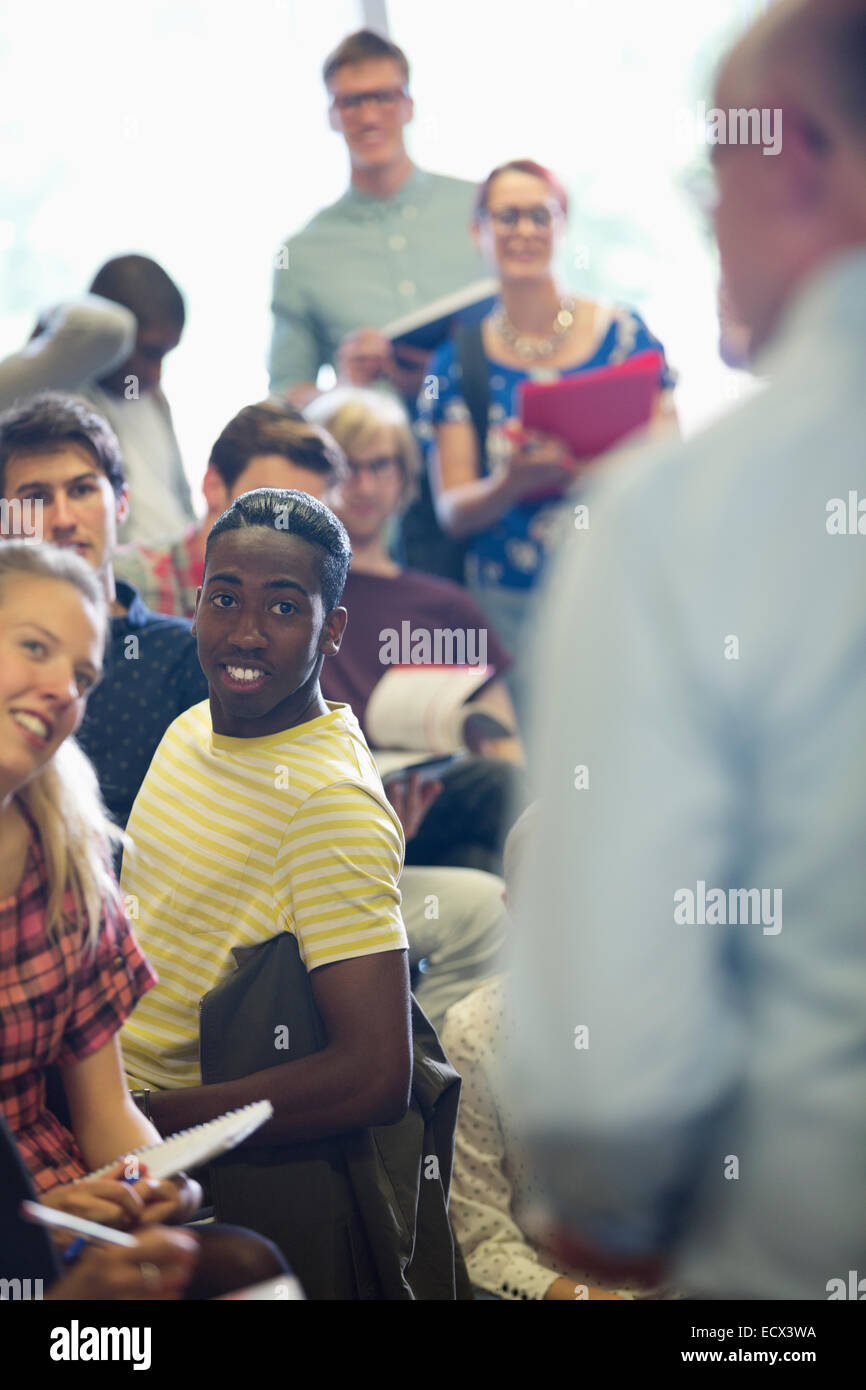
[365,261]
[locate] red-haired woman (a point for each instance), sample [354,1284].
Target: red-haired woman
[537,331]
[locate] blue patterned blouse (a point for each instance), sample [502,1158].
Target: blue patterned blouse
[511,553]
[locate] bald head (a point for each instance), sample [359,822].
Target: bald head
[811,53]
[779,220]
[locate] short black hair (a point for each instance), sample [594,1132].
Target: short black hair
[44,422]
[142,286]
[296,514]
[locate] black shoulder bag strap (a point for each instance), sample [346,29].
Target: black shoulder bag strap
[475,383]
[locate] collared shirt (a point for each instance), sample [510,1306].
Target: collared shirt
[152,674]
[365,261]
[59,1003]
[693,1068]
[166,576]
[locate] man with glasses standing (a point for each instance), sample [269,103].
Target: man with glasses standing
[395,241]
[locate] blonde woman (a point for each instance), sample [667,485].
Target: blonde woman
[467,824]
[70,969]
[381,479]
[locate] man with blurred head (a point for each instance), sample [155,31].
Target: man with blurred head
[131,398]
[692,1073]
[109,345]
[779,222]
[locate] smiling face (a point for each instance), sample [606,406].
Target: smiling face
[262,631]
[79,507]
[51,646]
[373,490]
[520,227]
[372,129]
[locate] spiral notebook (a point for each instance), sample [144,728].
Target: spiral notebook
[190,1148]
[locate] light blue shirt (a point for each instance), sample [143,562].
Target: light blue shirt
[704,658]
[365,261]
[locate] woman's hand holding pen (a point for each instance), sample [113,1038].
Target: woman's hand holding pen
[126,1197]
[108,1200]
[155,1264]
[158,1268]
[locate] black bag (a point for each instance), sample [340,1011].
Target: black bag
[358,1216]
[423,543]
[474,383]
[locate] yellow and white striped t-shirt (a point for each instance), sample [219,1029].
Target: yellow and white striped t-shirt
[237,839]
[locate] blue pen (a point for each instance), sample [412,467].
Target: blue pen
[131,1174]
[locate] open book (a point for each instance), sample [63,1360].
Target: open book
[419,719]
[430,326]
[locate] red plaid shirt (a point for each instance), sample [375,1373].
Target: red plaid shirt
[59,1003]
[166,576]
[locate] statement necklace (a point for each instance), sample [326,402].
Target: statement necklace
[533,349]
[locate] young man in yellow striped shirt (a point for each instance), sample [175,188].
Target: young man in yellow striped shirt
[263,812]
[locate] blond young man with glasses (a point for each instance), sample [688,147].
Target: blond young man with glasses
[396,241]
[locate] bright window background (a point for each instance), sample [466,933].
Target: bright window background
[195,131]
[602,92]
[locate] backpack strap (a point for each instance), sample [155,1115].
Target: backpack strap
[475,382]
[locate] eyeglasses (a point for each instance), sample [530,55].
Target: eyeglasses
[385,99]
[377,468]
[540,216]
